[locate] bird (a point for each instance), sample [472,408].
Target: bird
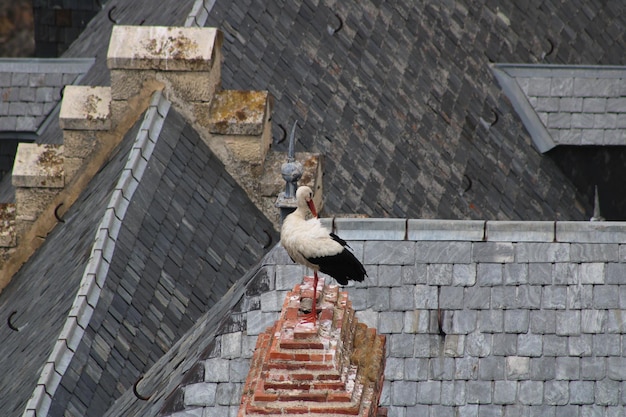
[310,244]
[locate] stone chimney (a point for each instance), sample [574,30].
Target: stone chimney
[186,61]
[85,115]
[332,367]
[38,176]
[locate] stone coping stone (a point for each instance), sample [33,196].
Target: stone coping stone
[163,48]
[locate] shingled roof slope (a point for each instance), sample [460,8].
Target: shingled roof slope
[531,321]
[401,98]
[169,232]
[41,293]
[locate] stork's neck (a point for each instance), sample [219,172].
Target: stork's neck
[303,208]
[302,212]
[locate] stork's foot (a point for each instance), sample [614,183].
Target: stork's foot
[306,307]
[310,317]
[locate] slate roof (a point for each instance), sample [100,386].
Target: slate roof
[568,105]
[403,103]
[31,90]
[401,98]
[531,320]
[158,237]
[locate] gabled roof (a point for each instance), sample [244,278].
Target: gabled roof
[164,234]
[31,90]
[481,318]
[567,105]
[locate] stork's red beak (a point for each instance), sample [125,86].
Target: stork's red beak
[312,207]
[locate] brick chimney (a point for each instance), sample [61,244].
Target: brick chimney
[334,366]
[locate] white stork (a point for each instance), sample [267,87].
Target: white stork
[309,243]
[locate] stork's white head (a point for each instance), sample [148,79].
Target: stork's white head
[304,198]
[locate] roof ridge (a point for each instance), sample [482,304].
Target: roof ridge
[97,266]
[561,231]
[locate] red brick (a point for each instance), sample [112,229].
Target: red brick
[328,385]
[339,397]
[302,396]
[327,314]
[352,410]
[303,344]
[265,396]
[291,313]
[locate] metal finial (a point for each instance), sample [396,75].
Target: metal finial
[597,217]
[291,154]
[291,172]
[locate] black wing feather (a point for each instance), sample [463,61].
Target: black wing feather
[343,266]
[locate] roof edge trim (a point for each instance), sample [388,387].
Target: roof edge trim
[538,132]
[561,71]
[47,65]
[94,276]
[199,13]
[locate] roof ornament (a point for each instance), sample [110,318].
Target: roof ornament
[597,217]
[291,172]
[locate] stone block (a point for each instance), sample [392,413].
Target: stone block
[39,166]
[464,274]
[449,230]
[580,345]
[443,252]
[478,392]
[72,166]
[516,321]
[489,274]
[530,392]
[375,229]
[504,392]
[542,369]
[85,108]
[593,368]
[517,367]
[163,48]
[520,231]
[556,392]
[529,344]
[200,394]
[453,393]
[439,274]
[192,87]
[567,368]
[7,225]
[239,113]
[581,392]
[500,252]
[591,232]
[79,143]
[126,84]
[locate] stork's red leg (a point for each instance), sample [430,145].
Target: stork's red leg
[314,309]
[312,316]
